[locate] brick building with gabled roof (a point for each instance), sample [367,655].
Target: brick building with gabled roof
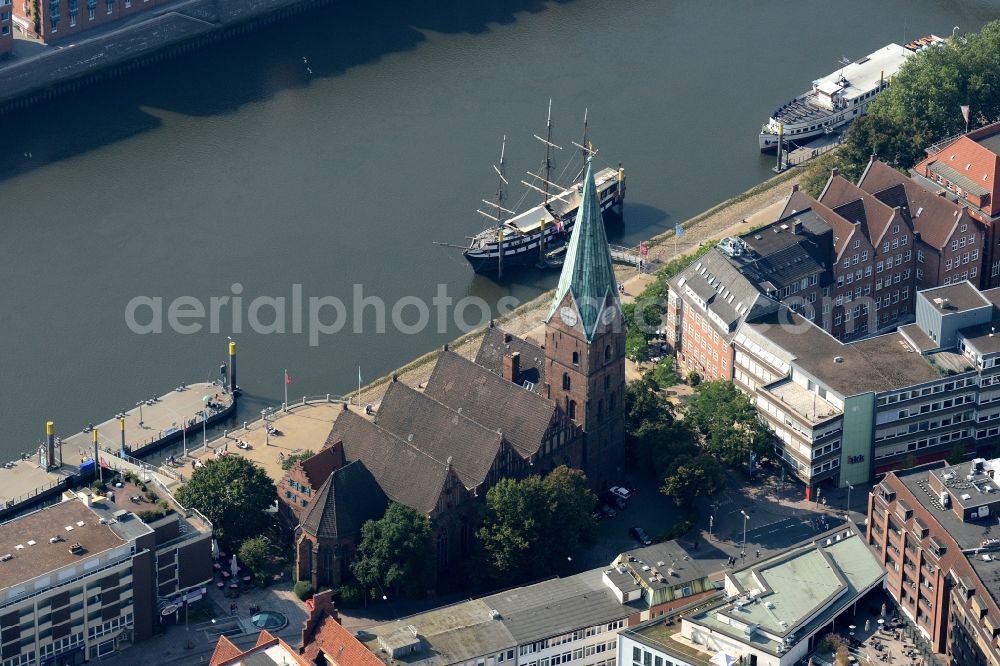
[439,450]
[481,456]
[948,240]
[304,478]
[966,169]
[535,426]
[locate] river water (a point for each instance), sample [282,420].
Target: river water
[332,150]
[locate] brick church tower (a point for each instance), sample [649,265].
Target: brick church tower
[585,344]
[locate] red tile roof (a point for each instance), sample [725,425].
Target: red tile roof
[339,645]
[224,651]
[973,161]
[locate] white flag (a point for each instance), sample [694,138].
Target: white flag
[965,113]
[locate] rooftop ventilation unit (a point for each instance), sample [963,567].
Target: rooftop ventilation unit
[838,359]
[55,539]
[6,558]
[494,613]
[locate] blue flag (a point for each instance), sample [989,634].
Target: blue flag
[678,230]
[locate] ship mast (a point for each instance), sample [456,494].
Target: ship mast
[548,155]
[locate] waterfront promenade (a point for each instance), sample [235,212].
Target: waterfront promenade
[157,419]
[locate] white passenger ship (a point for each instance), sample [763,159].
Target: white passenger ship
[839,98]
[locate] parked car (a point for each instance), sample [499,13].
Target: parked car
[613,500]
[608,511]
[640,535]
[622,492]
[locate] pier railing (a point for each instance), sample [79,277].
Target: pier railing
[283,408]
[11,502]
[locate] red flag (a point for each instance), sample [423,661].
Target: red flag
[288,378]
[965,113]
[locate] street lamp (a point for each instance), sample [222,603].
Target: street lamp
[849,489]
[204,427]
[139,405]
[745,519]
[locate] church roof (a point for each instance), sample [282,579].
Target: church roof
[406,474]
[347,499]
[497,344]
[491,401]
[587,274]
[440,432]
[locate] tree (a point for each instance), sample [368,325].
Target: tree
[395,553]
[693,476]
[233,493]
[665,372]
[728,422]
[636,346]
[654,433]
[257,554]
[530,526]
[287,463]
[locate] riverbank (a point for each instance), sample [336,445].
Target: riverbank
[137,41]
[736,215]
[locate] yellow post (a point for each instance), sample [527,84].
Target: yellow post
[121,422]
[232,366]
[50,442]
[541,241]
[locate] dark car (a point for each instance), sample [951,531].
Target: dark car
[608,511]
[640,535]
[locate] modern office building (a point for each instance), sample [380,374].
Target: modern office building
[774,612]
[85,576]
[935,530]
[847,412]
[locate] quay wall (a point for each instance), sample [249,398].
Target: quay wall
[164,33]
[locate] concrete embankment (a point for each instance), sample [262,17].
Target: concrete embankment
[733,216]
[141,40]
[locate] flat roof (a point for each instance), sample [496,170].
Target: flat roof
[668,558]
[525,614]
[968,535]
[965,534]
[961,296]
[984,338]
[803,402]
[882,363]
[71,521]
[916,336]
[797,591]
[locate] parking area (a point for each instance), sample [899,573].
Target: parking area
[648,508]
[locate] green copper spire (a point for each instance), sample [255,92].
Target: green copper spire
[587,273]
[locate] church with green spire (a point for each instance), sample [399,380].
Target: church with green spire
[585,343]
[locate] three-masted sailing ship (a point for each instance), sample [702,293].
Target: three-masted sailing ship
[536,236]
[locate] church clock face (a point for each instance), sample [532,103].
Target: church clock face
[568,315]
[608,315]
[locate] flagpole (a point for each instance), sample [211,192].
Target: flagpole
[359,386]
[286,388]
